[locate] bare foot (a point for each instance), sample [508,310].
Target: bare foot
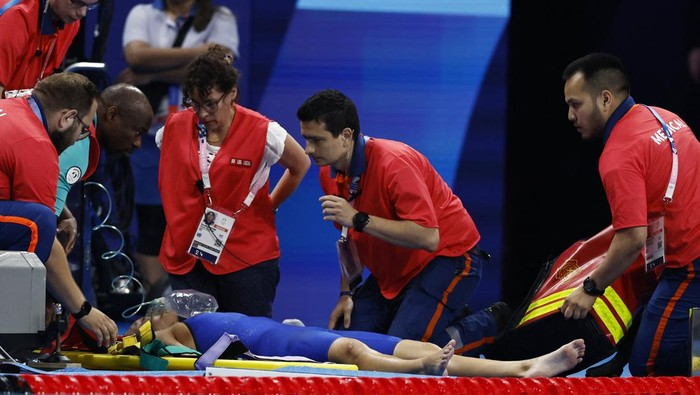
[557,361]
[436,363]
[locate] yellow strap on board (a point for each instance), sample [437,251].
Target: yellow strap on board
[551,303]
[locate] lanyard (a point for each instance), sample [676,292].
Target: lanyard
[353,191]
[8,5]
[35,108]
[203,164]
[37,111]
[668,196]
[259,179]
[48,56]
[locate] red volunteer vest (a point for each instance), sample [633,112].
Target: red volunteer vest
[254,238]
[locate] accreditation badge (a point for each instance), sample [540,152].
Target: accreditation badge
[350,265]
[654,248]
[210,238]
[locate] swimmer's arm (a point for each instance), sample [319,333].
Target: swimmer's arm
[177,335]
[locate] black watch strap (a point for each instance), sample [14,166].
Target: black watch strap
[360,220]
[591,288]
[85,309]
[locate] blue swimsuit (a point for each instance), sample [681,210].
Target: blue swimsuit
[266,337]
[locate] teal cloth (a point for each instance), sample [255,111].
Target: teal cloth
[151,353]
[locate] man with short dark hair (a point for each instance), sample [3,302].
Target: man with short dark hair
[650,168]
[34,130]
[403,222]
[37,36]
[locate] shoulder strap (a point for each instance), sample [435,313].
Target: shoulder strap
[183,32]
[228,346]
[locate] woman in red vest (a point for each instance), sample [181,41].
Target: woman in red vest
[215,158]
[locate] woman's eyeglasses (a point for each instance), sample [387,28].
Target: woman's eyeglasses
[210,105]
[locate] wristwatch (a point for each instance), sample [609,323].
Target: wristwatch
[84,310]
[591,288]
[360,220]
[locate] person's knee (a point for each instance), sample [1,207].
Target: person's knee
[665,364]
[36,225]
[638,360]
[637,369]
[346,350]
[45,220]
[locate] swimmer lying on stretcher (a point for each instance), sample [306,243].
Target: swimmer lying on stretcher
[369,351]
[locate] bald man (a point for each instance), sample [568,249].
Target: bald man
[123,115]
